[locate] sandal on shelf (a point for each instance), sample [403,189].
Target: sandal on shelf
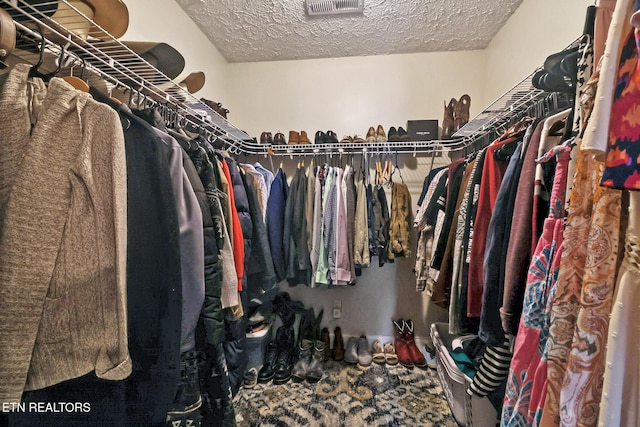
[378,352]
[390,354]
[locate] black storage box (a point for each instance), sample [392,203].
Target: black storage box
[422,130]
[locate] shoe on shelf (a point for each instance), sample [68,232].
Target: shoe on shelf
[371,135]
[338,345]
[461,112]
[402,350]
[188,396]
[303,138]
[294,137]
[417,357]
[351,352]
[378,352]
[393,135]
[268,369]
[380,135]
[250,378]
[364,354]
[390,355]
[321,138]
[331,138]
[286,348]
[447,121]
[346,140]
[316,364]
[358,140]
[279,139]
[266,138]
[403,135]
[301,367]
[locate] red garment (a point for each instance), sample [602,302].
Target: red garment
[237,239]
[492,173]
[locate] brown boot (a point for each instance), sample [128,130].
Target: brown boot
[338,345]
[304,139]
[461,112]
[294,137]
[326,339]
[447,121]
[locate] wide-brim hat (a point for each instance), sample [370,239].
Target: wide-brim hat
[111,15]
[194,81]
[160,55]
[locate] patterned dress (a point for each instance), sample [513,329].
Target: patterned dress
[526,386]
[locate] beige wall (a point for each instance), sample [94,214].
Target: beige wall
[165,21]
[537,29]
[347,95]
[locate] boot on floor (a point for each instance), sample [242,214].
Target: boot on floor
[417,357]
[286,343]
[400,343]
[316,366]
[338,345]
[301,367]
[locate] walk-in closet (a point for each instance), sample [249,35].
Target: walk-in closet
[319,213]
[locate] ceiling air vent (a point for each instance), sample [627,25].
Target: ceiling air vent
[333,7]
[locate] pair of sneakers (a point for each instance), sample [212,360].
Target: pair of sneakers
[357,351]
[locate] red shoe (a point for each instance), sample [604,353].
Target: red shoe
[400,343]
[417,357]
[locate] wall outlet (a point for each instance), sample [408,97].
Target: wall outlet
[337,308]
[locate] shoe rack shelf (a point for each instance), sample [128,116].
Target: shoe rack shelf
[112,66]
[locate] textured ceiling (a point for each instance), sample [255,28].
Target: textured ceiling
[263,30]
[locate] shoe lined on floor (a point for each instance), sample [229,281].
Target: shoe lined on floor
[316,365]
[301,367]
[390,355]
[351,352]
[326,339]
[431,361]
[402,350]
[268,369]
[250,378]
[378,352]
[417,357]
[286,347]
[364,354]
[338,345]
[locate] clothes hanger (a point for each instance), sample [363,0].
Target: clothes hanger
[35,70]
[77,82]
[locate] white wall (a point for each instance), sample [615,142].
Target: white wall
[164,21]
[347,95]
[537,29]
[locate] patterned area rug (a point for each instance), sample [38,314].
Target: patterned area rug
[348,396]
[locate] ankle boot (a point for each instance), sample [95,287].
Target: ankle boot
[286,343]
[326,339]
[338,345]
[188,395]
[402,350]
[301,368]
[417,357]
[268,369]
[316,366]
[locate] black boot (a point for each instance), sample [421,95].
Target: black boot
[285,340]
[188,396]
[268,369]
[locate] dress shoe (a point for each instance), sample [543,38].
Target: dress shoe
[266,138]
[404,136]
[294,137]
[279,139]
[358,140]
[321,138]
[303,139]
[371,135]
[338,345]
[380,135]
[331,138]
[393,135]
[346,140]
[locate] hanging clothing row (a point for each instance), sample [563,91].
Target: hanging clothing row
[537,270]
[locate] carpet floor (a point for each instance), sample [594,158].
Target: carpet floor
[349,396]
